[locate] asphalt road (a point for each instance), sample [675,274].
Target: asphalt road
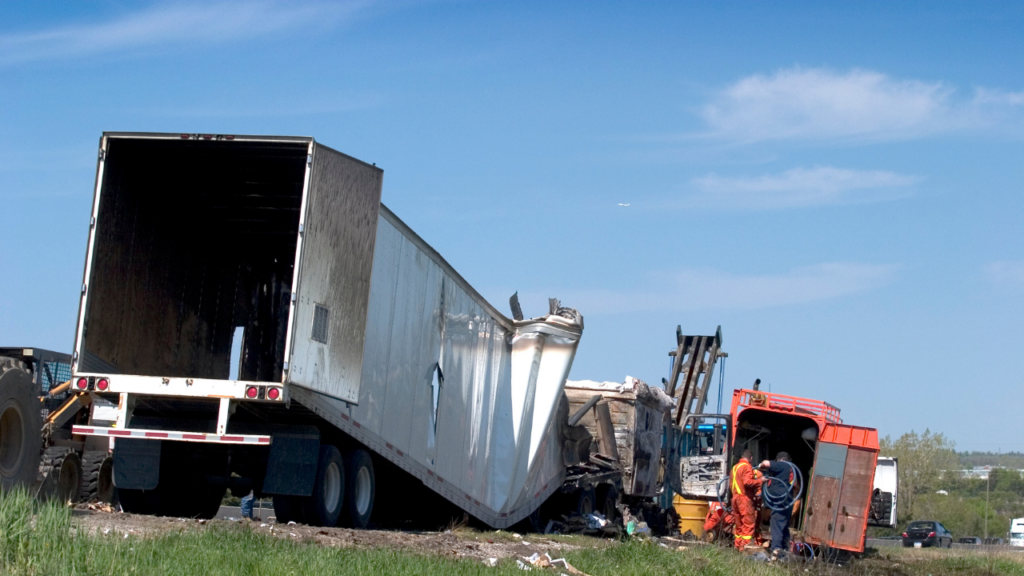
[235,513]
[881,543]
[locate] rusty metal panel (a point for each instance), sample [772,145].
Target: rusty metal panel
[646,451]
[333,271]
[822,504]
[854,500]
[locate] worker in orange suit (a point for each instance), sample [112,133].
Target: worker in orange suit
[744,485]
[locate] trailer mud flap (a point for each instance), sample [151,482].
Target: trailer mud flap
[291,469]
[137,463]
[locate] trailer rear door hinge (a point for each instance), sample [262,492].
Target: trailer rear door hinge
[293,296]
[83,288]
[102,154]
[309,159]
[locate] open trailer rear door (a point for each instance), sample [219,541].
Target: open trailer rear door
[841,485]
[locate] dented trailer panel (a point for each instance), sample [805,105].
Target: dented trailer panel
[451,390]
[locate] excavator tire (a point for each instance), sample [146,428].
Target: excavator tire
[61,469]
[97,477]
[20,426]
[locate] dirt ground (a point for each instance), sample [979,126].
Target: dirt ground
[459,542]
[483,545]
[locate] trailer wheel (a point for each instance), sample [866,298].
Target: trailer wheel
[193,500]
[20,426]
[608,501]
[583,501]
[61,469]
[97,476]
[139,501]
[360,488]
[323,507]
[288,509]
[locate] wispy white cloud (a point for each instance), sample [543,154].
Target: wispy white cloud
[798,187]
[801,103]
[172,23]
[702,289]
[1005,273]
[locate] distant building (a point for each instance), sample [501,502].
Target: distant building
[982,472]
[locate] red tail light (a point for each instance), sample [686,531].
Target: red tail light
[904,534]
[251,392]
[931,534]
[102,384]
[82,384]
[273,393]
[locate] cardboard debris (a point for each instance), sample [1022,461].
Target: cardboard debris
[545,561]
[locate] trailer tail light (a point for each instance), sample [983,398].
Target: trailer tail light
[82,384]
[252,392]
[102,384]
[273,393]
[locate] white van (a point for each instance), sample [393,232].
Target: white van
[1017,532]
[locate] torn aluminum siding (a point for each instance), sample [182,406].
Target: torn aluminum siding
[453,391]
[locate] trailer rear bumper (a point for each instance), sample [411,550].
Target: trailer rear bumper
[171,435]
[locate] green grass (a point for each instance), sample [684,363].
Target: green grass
[43,540]
[942,562]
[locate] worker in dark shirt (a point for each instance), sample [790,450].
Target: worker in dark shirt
[775,470]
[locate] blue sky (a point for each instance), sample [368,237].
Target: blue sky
[837,184]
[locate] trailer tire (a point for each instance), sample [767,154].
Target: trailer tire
[20,426]
[532,524]
[61,469]
[97,476]
[584,501]
[288,509]
[608,501]
[324,506]
[135,501]
[193,501]
[360,489]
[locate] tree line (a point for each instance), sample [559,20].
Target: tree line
[931,487]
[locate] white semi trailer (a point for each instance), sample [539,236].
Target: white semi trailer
[357,341]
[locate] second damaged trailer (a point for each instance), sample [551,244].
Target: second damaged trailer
[358,342]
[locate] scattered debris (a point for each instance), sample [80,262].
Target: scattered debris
[545,561]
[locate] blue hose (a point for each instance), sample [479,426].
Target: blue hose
[782,500]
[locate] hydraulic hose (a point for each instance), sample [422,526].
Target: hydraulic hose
[718,493]
[776,498]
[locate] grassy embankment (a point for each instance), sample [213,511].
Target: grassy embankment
[43,540]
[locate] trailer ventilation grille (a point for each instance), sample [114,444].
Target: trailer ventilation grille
[320,314]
